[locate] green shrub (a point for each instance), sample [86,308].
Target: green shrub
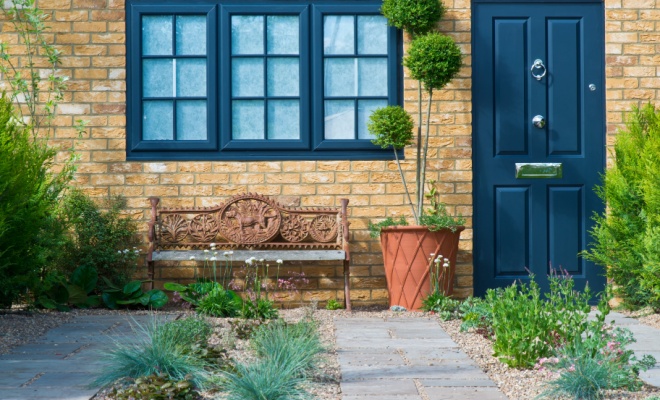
[259,309]
[31,234]
[132,295]
[169,348]
[264,380]
[477,315]
[333,304]
[103,239]
[528,327]
[374,229]
[596,361]
[626,238]
[55,292]
[219,302]
[444,306]
[414,16]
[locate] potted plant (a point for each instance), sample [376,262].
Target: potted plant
[409,252]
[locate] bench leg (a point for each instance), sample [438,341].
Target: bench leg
[347,286]
[150,274]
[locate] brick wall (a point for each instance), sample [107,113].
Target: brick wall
[632,65]
[90,34]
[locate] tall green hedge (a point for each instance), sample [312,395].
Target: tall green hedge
[627,236]
[30,231]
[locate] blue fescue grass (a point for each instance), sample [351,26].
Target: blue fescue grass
[161,348]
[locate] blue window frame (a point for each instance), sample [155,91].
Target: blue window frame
[258,80]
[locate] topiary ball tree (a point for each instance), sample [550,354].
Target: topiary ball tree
[393,127]
[433,59]
[416,17]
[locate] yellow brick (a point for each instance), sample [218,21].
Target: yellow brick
[109,38]
[247,178]
[269,190]
[161,190]
[226,167]
[107,179]
[160,167]
[298,189]
[282,178]
[196,190]
[212,178]
[177,179]
[142,179]
[195,167]
[265,167]
[318,177]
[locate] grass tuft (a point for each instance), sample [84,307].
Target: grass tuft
[162,348]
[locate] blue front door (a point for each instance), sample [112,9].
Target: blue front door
[539,129]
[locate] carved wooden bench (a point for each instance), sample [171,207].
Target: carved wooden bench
[250,225]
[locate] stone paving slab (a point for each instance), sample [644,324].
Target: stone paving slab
[459,393]
[380,387]
[47,394]
[393,343]
[458,382]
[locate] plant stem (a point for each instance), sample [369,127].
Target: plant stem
[420,187]
[420,194]
[403,179]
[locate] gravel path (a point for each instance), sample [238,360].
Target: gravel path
[19,327]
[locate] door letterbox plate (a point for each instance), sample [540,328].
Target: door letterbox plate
[538,170]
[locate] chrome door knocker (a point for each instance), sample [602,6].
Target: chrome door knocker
[538,64]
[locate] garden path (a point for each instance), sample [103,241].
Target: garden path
[63,363]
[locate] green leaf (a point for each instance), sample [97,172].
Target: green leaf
[77,295]
[110,300]
[157,298]
[111,285]
[132,287]
[93,301]
[85,277]
[144,299]
[47,303]
[59,294]
[175,287]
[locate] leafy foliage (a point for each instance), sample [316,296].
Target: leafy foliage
[392,126]
[444,306]
[259,309]
[31,234]
[156,387]
[170,348]
[131,294]
[333,304]
[477,315]
[220,302]
[416,17]
[101,239]
[527,327]
[56,293]
[374,229]
[596,361]
[433,59]
[626,238]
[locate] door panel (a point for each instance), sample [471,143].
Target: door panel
[524,224]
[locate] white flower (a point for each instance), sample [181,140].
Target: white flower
[445,265]
[137,251]
[118,251]
[192,258]
[248,261]
[206,251]
[212,245]
[212,258]
[279,261]
[226,254]
[215,253]
[261,260]
[230,252]
[432,254]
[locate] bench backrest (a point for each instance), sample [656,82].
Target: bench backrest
[248,221]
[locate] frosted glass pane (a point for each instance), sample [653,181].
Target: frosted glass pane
[191,77]
[365,109]
[158,120]
[247,119]
[156,35]
[284,119]
[191,35]
[191,120]
[247,34]
[338,34]
[283,76]
[339,119]
[340,77]
[247,77]
[372,34]
[282,34]
[157,78]
[372,77]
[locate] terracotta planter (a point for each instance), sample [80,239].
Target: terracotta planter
[407,257]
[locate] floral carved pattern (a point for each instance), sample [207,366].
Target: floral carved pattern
[249,219]
[324,228]
[294,228]
[204,227]
[174,228]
